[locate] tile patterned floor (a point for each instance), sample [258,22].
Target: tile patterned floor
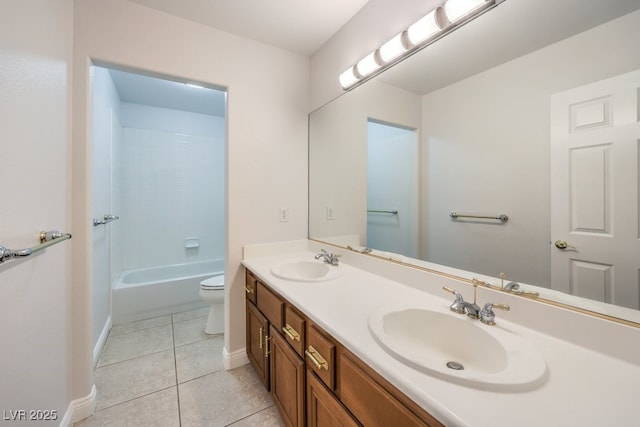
[167,372]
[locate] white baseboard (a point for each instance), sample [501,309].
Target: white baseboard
[80,409]
[101,340]
[234,360]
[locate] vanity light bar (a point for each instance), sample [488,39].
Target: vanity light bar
[440,21]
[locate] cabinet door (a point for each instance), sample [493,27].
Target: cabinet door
[323,409]
[372,404]
[287,380]
[257,333]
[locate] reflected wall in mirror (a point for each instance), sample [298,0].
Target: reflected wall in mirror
[484,147]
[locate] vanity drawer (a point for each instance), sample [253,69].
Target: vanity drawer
[271,305]
[250,286]
[320,355]
[293,330]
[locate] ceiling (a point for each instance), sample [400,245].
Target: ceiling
[157,92]
[301,26]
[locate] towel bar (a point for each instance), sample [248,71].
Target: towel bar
[501,217]
[47,238]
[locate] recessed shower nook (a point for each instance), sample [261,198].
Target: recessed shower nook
[158,185]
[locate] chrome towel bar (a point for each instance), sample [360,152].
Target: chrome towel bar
[392,212]
[47,238]
[105,220]
[501,217]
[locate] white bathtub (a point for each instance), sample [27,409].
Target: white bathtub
[157,291]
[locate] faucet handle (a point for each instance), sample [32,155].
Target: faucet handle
[487,316]
[458,304]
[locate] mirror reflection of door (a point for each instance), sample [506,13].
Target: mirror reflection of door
[392,177]
[595,241]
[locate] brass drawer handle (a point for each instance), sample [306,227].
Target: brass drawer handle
[316,358]
[267,350]
[248,289]
[291,333]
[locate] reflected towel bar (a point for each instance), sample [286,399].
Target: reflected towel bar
[392,212]
[501,217]
[47,238]
[106,219]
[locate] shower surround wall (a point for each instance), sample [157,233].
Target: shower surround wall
[168,186]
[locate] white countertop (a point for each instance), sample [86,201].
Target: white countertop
[583,387]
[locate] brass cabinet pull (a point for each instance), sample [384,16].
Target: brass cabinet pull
[316,358]
[248,289]
[261,336]
[291,333]
[267,351]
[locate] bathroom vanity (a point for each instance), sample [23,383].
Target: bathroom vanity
[336,388]
[313,342]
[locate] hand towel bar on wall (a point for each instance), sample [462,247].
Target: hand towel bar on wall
[105,220]
[392,211]
[501,217]
[47,238]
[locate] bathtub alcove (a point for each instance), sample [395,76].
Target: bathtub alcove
[159,164]
[150,292]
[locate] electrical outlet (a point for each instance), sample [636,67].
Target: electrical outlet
[330,216]
[284,214]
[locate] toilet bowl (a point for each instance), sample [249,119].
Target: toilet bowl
[212,292]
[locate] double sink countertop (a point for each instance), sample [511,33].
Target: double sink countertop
[581,386]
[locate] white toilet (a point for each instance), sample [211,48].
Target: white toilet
[212,292]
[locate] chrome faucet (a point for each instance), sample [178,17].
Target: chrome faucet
[472,310]
[328,258]
[461,306]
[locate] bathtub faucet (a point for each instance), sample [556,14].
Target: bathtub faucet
[328,258]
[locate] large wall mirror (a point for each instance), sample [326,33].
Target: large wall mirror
[530,111]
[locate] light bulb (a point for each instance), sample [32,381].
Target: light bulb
[392,49]
[456,9]
[423,29]
[367,65]
[348,78]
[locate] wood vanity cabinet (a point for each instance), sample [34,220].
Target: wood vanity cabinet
[314,380]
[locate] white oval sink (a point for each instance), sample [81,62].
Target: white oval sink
[438,343]
[306,271]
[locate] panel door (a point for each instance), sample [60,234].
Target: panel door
[287,380]
[257,333]
[595,245]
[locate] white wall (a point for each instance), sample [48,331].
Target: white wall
[36,42]
[267,134]
[170,174]
[106,135]
[496,127]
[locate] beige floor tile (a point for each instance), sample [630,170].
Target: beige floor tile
[135,344]
[200,358]
[133,378]
[139,325]
[266,418]
[189,331]
[221,398]
[191,314]
[159,409]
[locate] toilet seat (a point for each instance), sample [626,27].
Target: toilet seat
[213,283]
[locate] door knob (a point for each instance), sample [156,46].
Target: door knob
[561,244]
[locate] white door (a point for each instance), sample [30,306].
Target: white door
[595,133]
[392,188]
